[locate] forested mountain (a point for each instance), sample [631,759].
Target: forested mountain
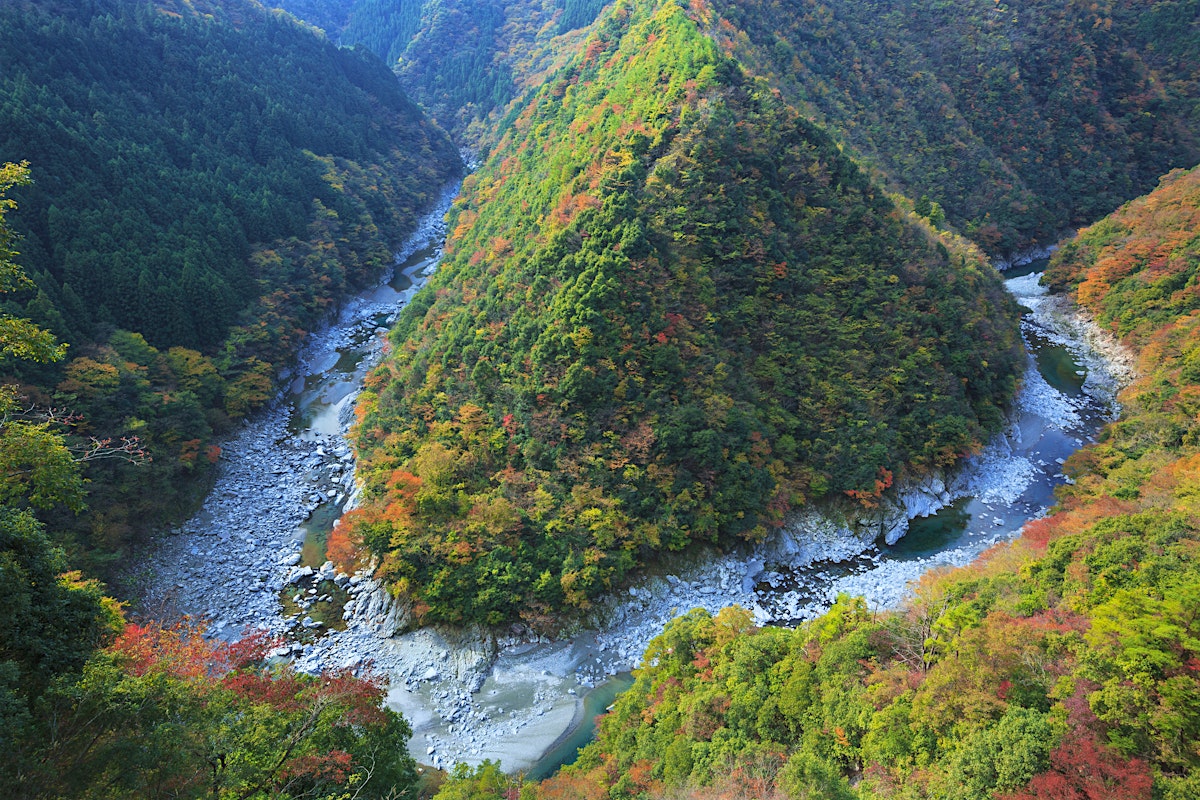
[671,311]
[1063,665]
[1021,120]
[208,180]
[710,272]
[460,59]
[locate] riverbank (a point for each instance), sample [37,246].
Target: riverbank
[995,492]
[229,562]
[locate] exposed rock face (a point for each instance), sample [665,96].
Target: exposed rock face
[842,532]
[1023,257]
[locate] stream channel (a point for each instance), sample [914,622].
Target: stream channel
[521,699]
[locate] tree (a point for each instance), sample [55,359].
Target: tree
[54,620]
[1080,769]
[19,338]
[163,712]
[38,467]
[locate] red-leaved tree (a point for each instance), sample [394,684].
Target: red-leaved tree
[1082,769]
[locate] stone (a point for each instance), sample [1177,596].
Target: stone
[298,573]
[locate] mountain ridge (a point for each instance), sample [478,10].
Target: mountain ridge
[1061,664]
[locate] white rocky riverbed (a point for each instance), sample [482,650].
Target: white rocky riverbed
[510,695]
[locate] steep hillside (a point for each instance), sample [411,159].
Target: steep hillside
[1062,666]
[165,149]
[93,707]
[1020,120]
[671,311]
[208,180]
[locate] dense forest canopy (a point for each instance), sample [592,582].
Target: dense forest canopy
[166,149]
[1063,665]
[707,274]
[208,180]
[665,316]
[1021,120]
[93,707]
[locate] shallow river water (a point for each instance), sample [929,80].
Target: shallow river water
[1068,394]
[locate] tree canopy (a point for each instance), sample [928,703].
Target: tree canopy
[1063,665]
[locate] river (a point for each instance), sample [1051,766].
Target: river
[253,556]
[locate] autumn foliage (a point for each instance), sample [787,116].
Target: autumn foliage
[666,316]
[1081,769]
[166,712]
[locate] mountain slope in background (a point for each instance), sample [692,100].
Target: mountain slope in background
[462,60]
[1020,120]
[166,148]
[671,311]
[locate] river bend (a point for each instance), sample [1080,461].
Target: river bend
[252,557]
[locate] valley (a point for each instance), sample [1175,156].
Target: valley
[805,392]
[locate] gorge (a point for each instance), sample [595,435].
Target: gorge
[476,695]
[698,401]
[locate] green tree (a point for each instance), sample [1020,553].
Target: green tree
[19,338]
[55,618]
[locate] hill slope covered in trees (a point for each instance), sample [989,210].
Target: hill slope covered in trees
[1019,121]
[1063,665]
[671,311]
[208,180]
[92,707]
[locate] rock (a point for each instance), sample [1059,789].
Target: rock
[297,573]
